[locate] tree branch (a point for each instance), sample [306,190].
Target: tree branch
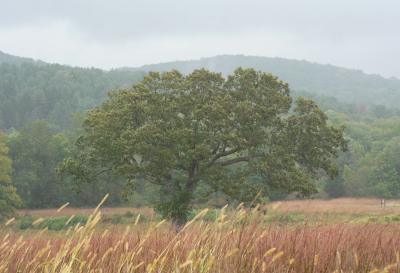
[95,175]
[233,161]
[237,160]
[152,180]
[216,149]
[222,154]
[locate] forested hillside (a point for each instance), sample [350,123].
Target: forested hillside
[10,59]
[42,106]
[31,91]
[347,85]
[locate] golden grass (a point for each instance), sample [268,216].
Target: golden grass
[235,242]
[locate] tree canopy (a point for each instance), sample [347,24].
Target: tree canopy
[238,135]
[36,151]
[31,91]
[9,199]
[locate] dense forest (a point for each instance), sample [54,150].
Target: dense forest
[42,106]
[31,91]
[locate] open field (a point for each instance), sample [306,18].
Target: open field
[231,241]
[340,205]
[335,211]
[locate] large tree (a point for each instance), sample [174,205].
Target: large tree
[239,135]
[9,199]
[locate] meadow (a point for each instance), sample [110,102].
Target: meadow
[340,235]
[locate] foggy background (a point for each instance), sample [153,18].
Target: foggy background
[360,34]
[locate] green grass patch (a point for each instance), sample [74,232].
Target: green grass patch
[60,222]
[51,223]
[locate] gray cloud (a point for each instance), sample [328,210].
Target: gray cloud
[356,33]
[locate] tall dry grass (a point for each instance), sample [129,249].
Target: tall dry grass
[235,242]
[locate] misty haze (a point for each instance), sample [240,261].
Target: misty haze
[199,136]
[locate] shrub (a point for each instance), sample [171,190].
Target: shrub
[26,222]
[51,223]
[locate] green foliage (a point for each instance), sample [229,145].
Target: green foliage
[26,222]
[65,221]
[387,169]
[60,95]
[36,152]
[346,86]
[9,199]
[237,135]
[31,91]
[51,223]
[371,166]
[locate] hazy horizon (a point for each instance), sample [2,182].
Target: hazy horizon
[358,35]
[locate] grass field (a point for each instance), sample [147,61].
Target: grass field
[342,235]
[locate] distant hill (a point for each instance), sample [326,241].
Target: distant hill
[347,85]
[10,59]
[31,89]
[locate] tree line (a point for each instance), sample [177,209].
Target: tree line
[79,155]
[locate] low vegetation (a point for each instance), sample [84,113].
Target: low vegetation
[235,240]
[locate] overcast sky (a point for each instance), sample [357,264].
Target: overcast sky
[361,34]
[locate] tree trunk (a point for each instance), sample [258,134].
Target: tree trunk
[175,202]
[178,223]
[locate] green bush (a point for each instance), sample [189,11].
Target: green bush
[394,218]
[60,222]
[26,222]
[51,223]
[56,223]
[82,219]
